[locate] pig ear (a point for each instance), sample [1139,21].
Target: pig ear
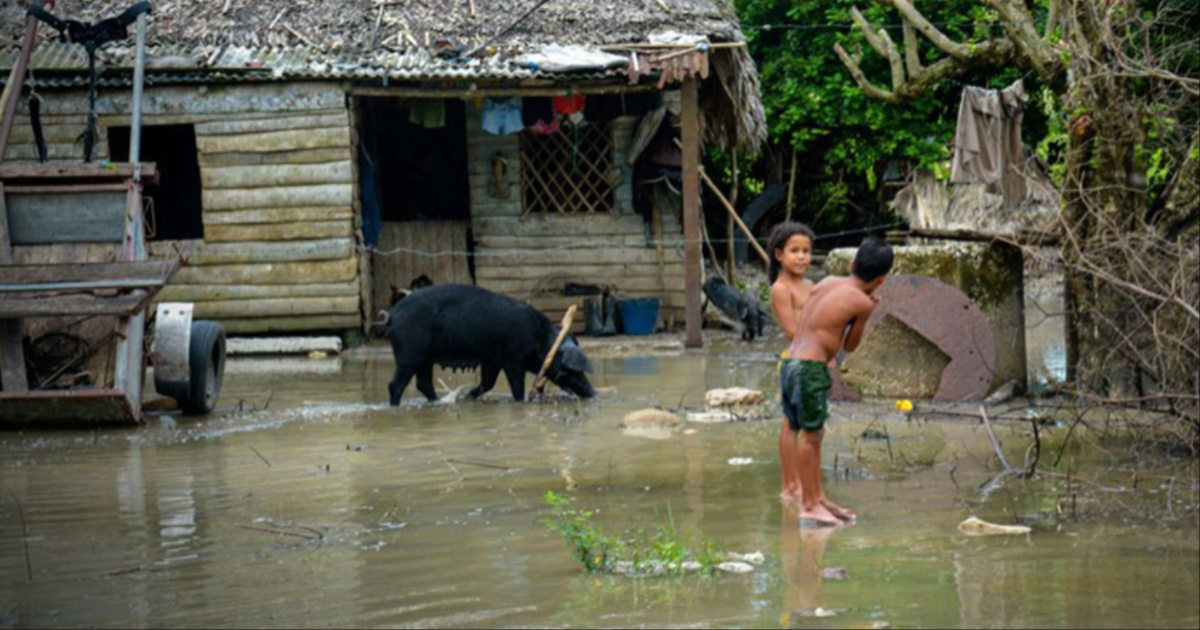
[575,359]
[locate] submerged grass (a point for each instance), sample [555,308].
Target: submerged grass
[661,550]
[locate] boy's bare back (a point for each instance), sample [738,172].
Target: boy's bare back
[834,303]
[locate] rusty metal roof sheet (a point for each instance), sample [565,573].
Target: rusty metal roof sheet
[60,65]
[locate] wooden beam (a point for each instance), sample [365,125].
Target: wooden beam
[12,352]
[691,211]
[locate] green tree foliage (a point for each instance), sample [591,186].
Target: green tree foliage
[845,140]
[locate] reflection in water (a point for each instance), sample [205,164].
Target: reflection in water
[802,550]
[326,507]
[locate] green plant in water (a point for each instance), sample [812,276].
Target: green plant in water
[639,552]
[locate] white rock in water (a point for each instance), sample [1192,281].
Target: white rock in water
[733,396]
[735,567]
[740,461]
[650,418]
[979,527]
[710,417]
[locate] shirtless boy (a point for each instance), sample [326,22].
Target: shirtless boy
[833,319]
[791,244]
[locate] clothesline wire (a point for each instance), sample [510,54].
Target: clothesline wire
[849,26]
[669,243]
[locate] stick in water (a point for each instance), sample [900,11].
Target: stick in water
[540,382]
[992,435]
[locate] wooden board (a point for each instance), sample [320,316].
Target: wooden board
[247,234]
[219,292]
[150,272]
[283,196]
[67,408]
[277,307]
[279,215]
[318,272]
[286,251]
[78,217]
[407,250]
[272,141]
[271,175]
[309,324]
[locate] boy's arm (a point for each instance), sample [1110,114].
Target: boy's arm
[785,313]
[858,322]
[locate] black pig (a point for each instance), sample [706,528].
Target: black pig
[463,327]
[751,314]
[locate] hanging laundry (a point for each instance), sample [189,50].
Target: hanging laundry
[427,112]
[569,104]
[538,115]
[502,116]
[987,141]
[543,128]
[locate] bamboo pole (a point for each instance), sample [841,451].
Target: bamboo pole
[730,254]
[733,213]
[693,271]
[539,383]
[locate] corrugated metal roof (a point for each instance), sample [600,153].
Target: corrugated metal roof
[61,65]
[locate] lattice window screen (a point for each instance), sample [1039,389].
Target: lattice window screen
[569,171]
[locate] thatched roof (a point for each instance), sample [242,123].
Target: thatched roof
[397,39]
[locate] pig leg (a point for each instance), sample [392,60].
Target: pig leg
[516,381]
[425,382]
[489,374]
[404,374]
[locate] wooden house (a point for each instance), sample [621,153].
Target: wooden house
[312,156]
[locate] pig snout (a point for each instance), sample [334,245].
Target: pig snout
[575,382]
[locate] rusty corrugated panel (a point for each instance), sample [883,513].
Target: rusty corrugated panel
[56,64]
[949,320]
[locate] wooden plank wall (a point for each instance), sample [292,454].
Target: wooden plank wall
[531,258]
[280,244]
[408,249]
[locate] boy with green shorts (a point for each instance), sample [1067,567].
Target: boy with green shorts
[833,320]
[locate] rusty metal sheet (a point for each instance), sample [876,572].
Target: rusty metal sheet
[950,321]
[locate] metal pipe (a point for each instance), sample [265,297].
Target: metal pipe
[16,79]
[139,75]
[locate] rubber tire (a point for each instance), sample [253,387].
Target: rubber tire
[206,368]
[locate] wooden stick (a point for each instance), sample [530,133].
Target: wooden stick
[733,213]
[992,436]
[540,382]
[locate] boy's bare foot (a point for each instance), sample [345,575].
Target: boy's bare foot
[837,510]
[791,495]
[818,514]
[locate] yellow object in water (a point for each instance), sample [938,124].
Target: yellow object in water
[904,405]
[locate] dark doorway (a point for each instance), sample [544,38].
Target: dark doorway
[415,192]
[176,211]
[421,170]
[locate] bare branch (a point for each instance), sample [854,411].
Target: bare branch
[939,39]
[912,56]
[867,87]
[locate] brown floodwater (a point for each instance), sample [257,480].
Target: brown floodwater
[308,502]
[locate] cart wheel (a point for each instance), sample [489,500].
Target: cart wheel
[206,364]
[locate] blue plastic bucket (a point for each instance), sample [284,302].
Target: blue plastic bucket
[639,315]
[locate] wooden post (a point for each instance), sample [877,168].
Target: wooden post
[12,353]
[730,253]
[691,212]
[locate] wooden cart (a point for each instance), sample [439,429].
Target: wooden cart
[75,286]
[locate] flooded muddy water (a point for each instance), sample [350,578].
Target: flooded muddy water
[309,502]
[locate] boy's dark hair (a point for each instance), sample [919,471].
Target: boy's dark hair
[874,259]
[780,235]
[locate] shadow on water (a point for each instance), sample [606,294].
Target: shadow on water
[317,504]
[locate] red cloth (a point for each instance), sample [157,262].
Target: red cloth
[568,104]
